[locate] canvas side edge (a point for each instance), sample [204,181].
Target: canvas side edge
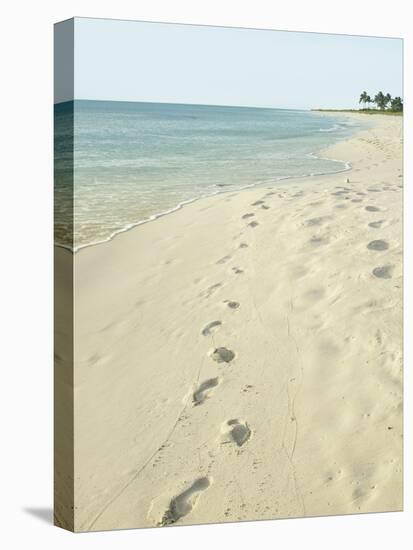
[63,292]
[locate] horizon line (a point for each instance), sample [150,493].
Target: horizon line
[199,104]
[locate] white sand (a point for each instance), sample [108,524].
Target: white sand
[306,419]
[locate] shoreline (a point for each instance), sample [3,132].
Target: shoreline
[275,309]
[184,204]
[179,206]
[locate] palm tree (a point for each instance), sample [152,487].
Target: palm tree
[368,101]
[363,98]
[379,100]
[396,104]
[387,100]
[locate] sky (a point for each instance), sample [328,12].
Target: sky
[171,63]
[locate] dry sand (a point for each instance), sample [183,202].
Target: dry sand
[241,358]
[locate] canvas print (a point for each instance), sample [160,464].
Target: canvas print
[228,274]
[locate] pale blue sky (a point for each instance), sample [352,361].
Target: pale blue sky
[158,62]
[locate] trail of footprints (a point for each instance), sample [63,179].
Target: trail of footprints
[377,245]
[235,431]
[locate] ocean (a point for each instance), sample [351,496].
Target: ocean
[133,162]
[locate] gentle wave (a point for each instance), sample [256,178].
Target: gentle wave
[335,128]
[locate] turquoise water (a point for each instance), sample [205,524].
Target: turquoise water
[135,161]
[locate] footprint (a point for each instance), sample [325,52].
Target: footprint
[317,241]
[243,245]
[224,259]
[210,290]
[181,505]
[201,393]
[257,203]
[206,331]
[356,200]
[372,209]
[232,305]
[376,224]
[237,270]
[238,432]
[378,245]
[315,294]
[383,272]
[246,216]
[317,221]
[265,207]
[94,359]
[253,224]
[222,355]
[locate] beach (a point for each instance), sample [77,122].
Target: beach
[241,357]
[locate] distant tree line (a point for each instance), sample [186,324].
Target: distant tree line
[383,102]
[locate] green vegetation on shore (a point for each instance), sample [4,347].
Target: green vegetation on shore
[363,111]
[385,105]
